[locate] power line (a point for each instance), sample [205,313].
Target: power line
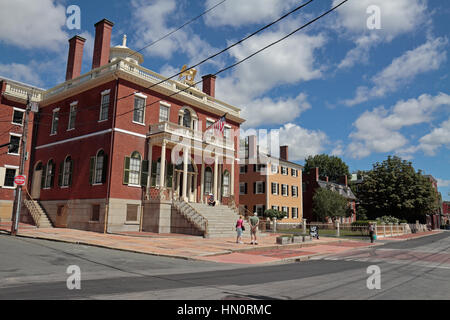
[233,65]
[206,59]
[182,26]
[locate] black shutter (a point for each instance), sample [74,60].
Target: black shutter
[144,173]
[126,171]
[278,189]
[254,168]
[245,190]
[264,187]
[105,168]
[169,175]
[70,172]
[92,171]
[246,168]
[52,180]
[44,174]
[60,174]
[153,175]
[254,209]
[254,187]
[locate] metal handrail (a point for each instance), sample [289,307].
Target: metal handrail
[203,225]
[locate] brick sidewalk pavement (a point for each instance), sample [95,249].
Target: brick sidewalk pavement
[222,250]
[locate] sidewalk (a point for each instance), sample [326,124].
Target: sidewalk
[221,250]
[411,236]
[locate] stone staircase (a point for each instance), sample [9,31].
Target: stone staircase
[38,214]
[221,219]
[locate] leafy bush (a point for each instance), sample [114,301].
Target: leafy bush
[387,220]
[272,213]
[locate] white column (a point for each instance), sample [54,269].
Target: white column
[216,169]
[185,170]
[178,183]
[149,178]
[162,174]
[195,188]
[202,182]
[232,178]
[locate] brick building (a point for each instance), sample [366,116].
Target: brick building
[446,212]
[116,147]
[13,100]
[269,182]
[312,182]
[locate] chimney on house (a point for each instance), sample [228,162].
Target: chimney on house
[314,172]
[343,180]
[102,44]
[209,85]
[75,58]
[252,148]
[284,154]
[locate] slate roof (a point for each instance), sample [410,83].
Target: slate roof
[341,189]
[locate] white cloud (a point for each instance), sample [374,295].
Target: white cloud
[237,13]
[431,142]
[20,72]
[378,130]
[397,17]
[289,62]
[33,24]
[152,22]
[274,111]
[443,183]
[427,57]
[302,142]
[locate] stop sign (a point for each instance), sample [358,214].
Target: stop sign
[20,180]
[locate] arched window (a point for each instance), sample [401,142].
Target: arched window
[49,171]
[187,118]
[135,168]
[98,168]
[208,180]
[226,184]
[65,172]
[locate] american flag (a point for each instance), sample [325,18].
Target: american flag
[218,126]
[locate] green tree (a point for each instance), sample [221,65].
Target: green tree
[331,166]
[327,203]
[394,188]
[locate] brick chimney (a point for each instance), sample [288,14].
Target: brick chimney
[314,172]
[284,153]
[252,148]
[343,180]
[102,44]
[209,85]
[75,58]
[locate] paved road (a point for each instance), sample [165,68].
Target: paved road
[36,269]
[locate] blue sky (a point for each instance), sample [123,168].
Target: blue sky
[336,87]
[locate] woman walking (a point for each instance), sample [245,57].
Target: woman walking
[239,229]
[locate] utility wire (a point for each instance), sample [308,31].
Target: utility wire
[180,27]
[216,54]
[240,61]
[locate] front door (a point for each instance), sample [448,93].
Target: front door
[36,186]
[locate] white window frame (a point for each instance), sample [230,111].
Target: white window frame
[276,208]
[165,105]
[66,173]
[273,166]
[135,173]
[242,188]
[226,187]
[294,211]
[6,167]
[11,134]
[242,169]
[261,207]
[98,178]
[259,184]
[143,97]
[23,116]
[284,171]
[104,93]
[54,131]
[73,106]
[284,194]
[294,172]
[276,188]
[294,194]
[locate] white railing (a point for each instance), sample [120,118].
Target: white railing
[150,76]
[192,215]
[181,131]
[21,92]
